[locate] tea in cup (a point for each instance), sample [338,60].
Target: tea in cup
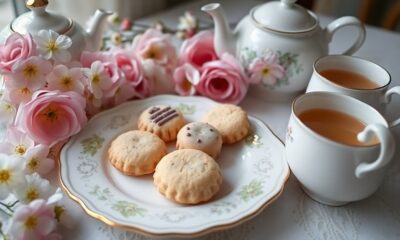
[355,77]
[337,147]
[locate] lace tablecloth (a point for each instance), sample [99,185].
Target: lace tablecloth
[293,215]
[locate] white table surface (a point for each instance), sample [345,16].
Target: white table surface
[293,215]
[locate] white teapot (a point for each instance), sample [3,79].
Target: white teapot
[39,18]
[286,31]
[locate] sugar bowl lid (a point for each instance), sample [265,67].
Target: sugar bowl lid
[283,16]
[38,18]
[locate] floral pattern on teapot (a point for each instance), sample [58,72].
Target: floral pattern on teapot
[270,68]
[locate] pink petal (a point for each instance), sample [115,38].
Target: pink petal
[46,225]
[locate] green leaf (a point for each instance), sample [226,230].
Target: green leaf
[128,209]
[186,109]
[101,194]
[92,144]
[222,207]
[251,190]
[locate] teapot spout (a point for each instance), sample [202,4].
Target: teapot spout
[224,39]
[95,29]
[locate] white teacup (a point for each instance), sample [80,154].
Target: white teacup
[377,97]
[331,172]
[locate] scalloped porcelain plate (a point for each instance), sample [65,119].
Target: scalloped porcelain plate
[254,172]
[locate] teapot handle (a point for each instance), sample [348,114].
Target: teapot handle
[343,22]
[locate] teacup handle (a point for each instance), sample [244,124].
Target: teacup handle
[388,98]
[343,22]
[386,150]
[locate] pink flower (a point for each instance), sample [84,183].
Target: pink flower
[52,116]
[93,104]
[155,46]
[123,92]
[64,79]
[7,112]
[27,77]
[54,236]
[12,174]
[109,71]
[185,78]
[34,188]
[143,89]
[199,49]
[87,58]
[18,95]
[18,143]
[30,73]
[16,48]
[187,26]
[133,71]
[51,45]
[223,80]
[35,220]
[159,78]
[37,160]
[131,67]
[266,69]
[126,24]
[97,80]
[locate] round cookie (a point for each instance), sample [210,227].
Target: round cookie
[136,152]
[188,176]
[200,136]
[230,120]
[163,121]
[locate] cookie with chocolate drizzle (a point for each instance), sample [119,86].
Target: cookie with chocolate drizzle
[164,121]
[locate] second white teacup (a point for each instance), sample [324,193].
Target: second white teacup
[337,147]
[355,77]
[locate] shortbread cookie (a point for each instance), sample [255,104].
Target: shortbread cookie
[163,121]
[188,176]
[200,136]
[230,120]
[136,152]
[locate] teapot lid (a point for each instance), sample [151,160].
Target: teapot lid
[38,19]
[283,16]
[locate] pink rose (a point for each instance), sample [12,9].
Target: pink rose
[133,71]
[153,45]
[52,116]
[17,47]
[199,49]
[223,80]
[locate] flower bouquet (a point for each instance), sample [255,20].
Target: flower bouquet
[47,97]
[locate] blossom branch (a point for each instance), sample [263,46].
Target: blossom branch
[9,207]
[6,212]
